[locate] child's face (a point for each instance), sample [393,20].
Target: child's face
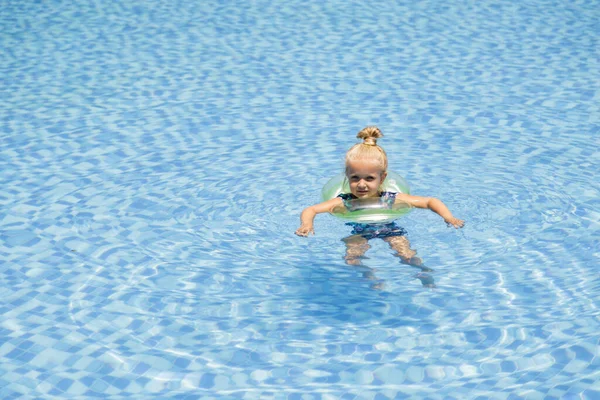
[364,177]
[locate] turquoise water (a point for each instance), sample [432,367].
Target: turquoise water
[155,157]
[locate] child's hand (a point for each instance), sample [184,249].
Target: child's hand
[455,222]
[305,230]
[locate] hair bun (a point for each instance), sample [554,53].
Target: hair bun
[368,149]
[369,135]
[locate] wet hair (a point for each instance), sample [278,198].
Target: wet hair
[368,150]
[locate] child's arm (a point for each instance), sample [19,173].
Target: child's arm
[308,215]
[433,204]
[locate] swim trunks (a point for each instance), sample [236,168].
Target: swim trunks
[374,231]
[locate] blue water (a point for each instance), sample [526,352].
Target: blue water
[155,156]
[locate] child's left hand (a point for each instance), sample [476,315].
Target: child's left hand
[455,222]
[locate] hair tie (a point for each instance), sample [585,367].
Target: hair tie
[370,141]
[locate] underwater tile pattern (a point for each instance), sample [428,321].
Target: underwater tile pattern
[155,156]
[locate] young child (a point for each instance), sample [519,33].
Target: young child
[366,169]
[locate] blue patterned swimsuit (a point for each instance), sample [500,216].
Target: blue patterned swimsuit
[372,231]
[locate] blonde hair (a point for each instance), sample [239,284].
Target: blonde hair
[368,149]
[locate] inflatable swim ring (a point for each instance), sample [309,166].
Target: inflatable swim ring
[369,211]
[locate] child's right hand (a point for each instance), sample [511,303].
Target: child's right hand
[455,222]
[305,230]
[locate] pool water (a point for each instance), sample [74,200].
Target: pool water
[155,157]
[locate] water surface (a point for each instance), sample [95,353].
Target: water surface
[155,157]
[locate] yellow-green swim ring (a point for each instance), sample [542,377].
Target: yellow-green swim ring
[369,211]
